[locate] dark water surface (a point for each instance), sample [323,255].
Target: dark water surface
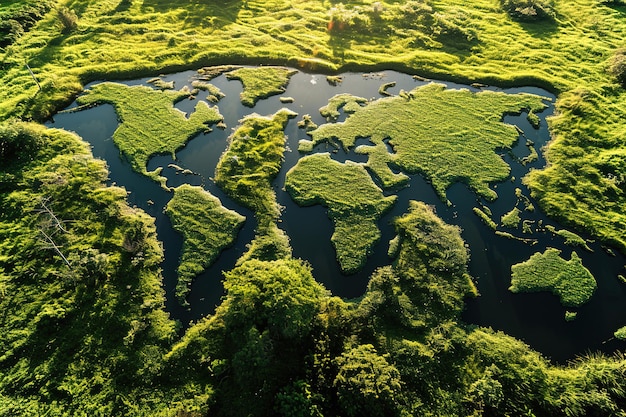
[537,318]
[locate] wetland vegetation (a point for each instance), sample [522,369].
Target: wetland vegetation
[207,228]
[84,330]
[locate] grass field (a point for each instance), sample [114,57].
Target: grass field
[548,271]
[471,42]
[448,135]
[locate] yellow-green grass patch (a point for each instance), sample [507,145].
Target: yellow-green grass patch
[354,202]
[261,82]
[448,135]
[149,122]
[548,271]
[207,228]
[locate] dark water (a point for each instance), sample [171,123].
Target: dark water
[537,318]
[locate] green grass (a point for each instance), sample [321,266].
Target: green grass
[482,215]
[354,202]
[348,102]
[569,280]
[378,163]
[149,123]
[448,135]
[245,172]
[207,228]
[568,55]
[571,238]
[261,82]
[511,219]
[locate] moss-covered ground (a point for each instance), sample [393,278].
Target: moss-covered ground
[548,271]
[355,203]
[207,228]
[149,123]
[448,135]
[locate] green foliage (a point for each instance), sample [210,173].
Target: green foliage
[207,228]
[569,280]
[449,135]
[354,203]
[367,384]
[261,82]
[511,219]
[68,19]
[84,325]
[149,123]
[529,10]
[257,342]
[620,333]
[245,172]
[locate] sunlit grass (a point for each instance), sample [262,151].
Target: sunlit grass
[568,55]
[261,82]
[207,228]
[548,271]
[354,203]
[245,172]
[448,135]
[149,123]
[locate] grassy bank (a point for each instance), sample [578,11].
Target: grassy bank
[207,228]
[355,204]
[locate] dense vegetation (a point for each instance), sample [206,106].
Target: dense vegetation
[83,329]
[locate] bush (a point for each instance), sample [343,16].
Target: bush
[617,66]
[529,10]
[68,19]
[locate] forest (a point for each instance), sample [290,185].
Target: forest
[85,328]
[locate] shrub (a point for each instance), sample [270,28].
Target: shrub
[617,66]
[68,19]
[529,10]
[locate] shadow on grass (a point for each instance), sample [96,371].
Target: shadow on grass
[540,29]
[198,11]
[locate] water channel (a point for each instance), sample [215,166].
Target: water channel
[536,318]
